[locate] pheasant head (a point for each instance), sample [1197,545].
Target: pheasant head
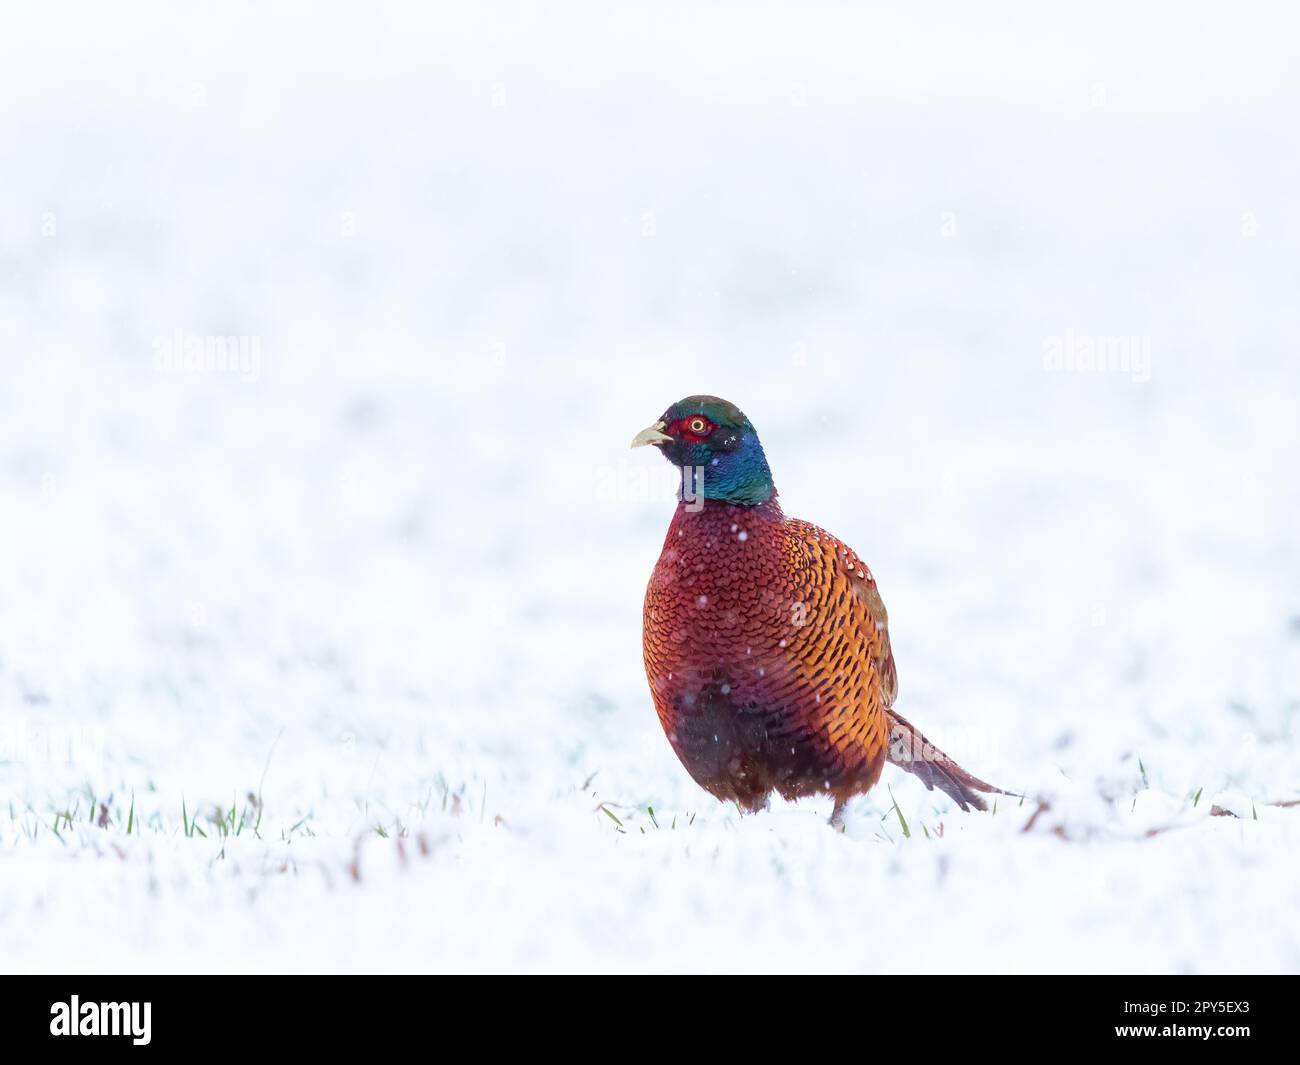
[716,448]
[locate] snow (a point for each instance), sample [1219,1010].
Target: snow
[380,562]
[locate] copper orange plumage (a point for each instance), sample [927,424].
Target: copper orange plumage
[766,640]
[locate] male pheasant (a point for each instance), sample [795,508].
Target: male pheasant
[766,642]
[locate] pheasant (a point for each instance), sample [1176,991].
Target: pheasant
[766,641]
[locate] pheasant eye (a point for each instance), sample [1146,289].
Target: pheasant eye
[698,426]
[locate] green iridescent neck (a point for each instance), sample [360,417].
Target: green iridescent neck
[742,477]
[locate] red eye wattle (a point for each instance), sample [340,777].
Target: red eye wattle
[697,425]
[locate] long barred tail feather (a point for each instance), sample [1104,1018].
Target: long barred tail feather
[910,750]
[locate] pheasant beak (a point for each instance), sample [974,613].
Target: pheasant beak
[653,435]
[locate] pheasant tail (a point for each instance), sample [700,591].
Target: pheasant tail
[910,750]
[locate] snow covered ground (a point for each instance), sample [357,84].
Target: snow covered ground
[327,657]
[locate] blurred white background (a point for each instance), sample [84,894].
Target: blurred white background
[385,568]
